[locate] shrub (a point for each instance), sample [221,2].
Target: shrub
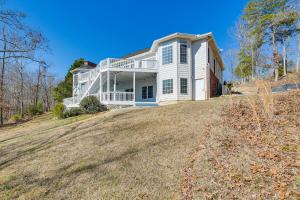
[58,110]
[73,112]
[35,109]
[91,104]
[16,118]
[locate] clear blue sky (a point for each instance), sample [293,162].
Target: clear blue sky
[98,29]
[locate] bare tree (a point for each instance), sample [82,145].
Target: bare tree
[231,56]
[18,41]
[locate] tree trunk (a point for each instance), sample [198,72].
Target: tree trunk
[298,53]
[284,56]
[22,93]
[2,80]
[275,54]
[36,97]
[252,61]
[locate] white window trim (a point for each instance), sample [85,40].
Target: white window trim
[147,91]
[187,52]
[172,89]
[187,86]
[162,54]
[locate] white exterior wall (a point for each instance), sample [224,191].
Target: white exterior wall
[168,71]
[199,59]
[184,71]
[218,72]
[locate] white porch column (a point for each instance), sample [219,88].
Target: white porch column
[134,87]
[157,88]
[115,85]
[107,90]
[100,84]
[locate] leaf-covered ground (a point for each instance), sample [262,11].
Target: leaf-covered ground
[252,153]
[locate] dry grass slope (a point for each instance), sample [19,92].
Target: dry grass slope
[130,154]
[227,148]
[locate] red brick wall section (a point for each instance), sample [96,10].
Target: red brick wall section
[213,84]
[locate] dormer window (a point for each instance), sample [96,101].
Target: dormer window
[167,55]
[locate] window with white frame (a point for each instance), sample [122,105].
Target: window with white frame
[147,92]
[183,52]
[167,55]
[168,86]
[183,85]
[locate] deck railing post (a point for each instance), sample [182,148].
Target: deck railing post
[133,86]
[115,85]
[108,80]
[100,85]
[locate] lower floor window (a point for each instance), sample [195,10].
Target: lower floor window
[147,92]
[150,92]
[144,92]
[168,86]
[183,85]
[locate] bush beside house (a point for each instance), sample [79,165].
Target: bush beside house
[91,104]
[58,110]
[88,105]
[72,112]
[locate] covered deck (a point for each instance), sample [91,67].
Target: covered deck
[128,88]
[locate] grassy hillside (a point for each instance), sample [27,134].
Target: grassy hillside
[221,148]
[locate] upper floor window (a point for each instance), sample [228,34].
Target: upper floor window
[167,55]
[183,52]
[168,86]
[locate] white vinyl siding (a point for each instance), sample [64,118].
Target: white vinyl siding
[169,71]
[200,61]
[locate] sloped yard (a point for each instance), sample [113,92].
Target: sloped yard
[192,150]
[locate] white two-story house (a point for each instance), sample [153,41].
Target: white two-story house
[178,67]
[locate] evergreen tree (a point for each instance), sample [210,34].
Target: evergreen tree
[244,68]
[65,87]
[266,18]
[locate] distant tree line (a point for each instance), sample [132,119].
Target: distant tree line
[265,34]
[25,82]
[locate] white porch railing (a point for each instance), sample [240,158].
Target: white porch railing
[89,76]
[115,63]
[118,97]
[68,101]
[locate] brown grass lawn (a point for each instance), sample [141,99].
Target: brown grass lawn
[181,151]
